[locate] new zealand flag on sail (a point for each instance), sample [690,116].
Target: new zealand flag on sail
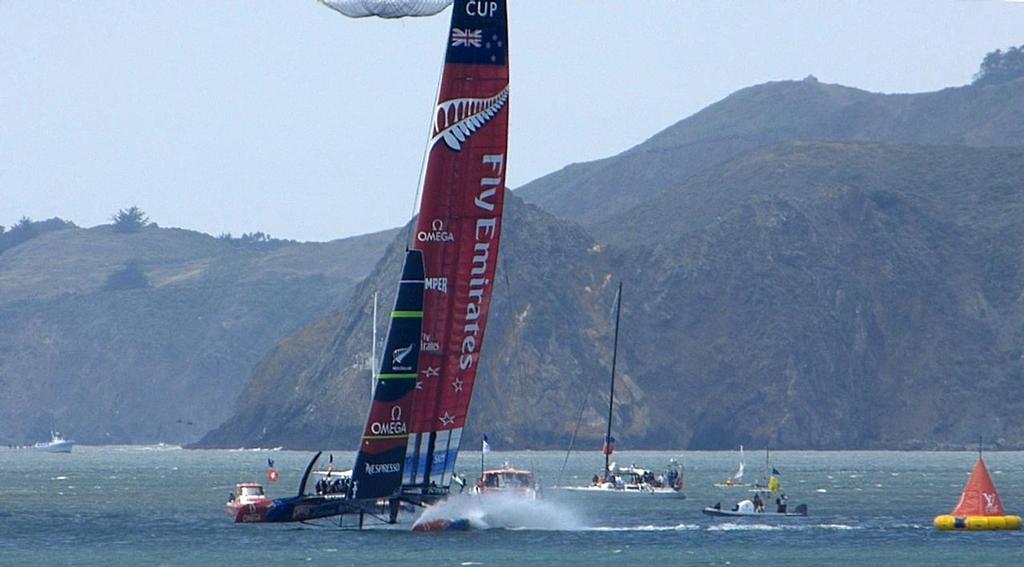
[479,33]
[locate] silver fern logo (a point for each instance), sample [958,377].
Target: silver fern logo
[398,357]
[456,120]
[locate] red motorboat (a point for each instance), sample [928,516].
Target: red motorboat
[248,503]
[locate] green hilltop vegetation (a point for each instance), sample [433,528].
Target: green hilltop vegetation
[129,332]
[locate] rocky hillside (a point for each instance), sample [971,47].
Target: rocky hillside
[547,346]
[763,115]
[150,336]
[833,295]
[806,295]
[806,266]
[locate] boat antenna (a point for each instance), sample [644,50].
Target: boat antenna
[611,390]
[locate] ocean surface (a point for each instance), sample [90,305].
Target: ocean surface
[161,505]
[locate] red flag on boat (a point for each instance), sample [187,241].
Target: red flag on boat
[979,497]
[609,445]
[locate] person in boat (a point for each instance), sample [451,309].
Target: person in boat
[672,476]
[459,480]
[758,503]
[717,506]
[782,503]
[596,480]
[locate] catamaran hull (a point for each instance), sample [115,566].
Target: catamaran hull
[459,525]
[292,510]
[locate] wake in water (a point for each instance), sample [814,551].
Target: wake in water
[730,527]
[726,527]
[501,511]
[646,528]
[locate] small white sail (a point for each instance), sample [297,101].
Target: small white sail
[743,465]
[739,472]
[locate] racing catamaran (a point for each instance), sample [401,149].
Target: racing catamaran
[414,428]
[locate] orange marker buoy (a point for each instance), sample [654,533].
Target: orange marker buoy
[979,508]
[272,475]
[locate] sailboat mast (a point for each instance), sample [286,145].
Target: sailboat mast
[611,390]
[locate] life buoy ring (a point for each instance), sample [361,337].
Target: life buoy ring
[272,475]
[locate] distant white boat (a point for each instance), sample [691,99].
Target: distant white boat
[735,480]
[56,444]
[635,480]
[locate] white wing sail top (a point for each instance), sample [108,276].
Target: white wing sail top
[387,8]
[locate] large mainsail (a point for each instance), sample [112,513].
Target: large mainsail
[378,469]
[458,232]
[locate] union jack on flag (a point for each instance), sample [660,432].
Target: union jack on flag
[467,38]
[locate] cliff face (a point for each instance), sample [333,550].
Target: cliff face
[151,336]
[546,353]
[833,295]
[806,295]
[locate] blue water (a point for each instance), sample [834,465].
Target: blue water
[164,506]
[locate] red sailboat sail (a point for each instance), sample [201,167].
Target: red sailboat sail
[979,497]
[458,231]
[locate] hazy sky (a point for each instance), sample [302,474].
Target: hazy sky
[286,117]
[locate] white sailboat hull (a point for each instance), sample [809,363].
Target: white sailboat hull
[607,488]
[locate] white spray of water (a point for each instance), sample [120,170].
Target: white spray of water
[500,511]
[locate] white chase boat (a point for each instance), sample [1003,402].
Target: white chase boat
[56,444]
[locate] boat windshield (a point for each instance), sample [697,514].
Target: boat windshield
[508,479]
[252,491]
